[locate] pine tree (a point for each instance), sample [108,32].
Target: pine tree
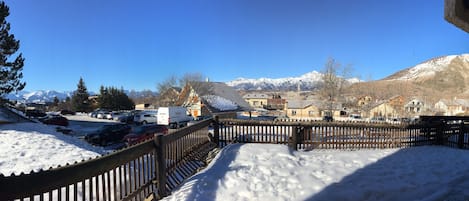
[112,98]
[80,101]
[10,70]
[56,101]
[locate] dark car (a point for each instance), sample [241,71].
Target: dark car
[108,133]
[55,120]
[67,112]
[145,132]
[328,118]
[127,117]
[35,113]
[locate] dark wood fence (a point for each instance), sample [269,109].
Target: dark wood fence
[451,131]
[307,135]
[146,170]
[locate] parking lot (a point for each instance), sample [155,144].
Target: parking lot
[81,125]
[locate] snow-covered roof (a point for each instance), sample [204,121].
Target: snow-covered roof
[299,104]
[220,103]
[219,97]
[414,102]
[455,102]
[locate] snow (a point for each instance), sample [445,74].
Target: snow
[220,103]
[274,172]
[431,67]
[306,80]
[27,147]
[84,117]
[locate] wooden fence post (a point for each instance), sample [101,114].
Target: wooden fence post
[216,131]
[295,139]
[160,166]
[461,136]
[439,133]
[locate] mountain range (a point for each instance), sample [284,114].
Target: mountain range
[441,77]
[43,96]
[305,82]
[40,96]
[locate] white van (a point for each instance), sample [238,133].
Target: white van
[174,117]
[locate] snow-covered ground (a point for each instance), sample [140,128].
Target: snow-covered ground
[274,172]
[85,117]
[26,147]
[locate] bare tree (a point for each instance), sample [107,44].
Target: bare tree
[190,77]
[169,97]
[334,80]
[166,84]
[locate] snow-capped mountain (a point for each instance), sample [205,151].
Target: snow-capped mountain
[40,96]
[431,68]
[434,79]
[308,81]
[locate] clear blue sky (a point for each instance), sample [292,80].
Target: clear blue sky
[137,44]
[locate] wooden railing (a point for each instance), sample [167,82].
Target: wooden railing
[307,135]
[452,131]
[146,170]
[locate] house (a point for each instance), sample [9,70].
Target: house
[276,102]
[145,106]
[415,106]
[397,102]
[452,107]
[256,100]
[302,109]
[392,107]
[212,98]
[364,100]
[382,109]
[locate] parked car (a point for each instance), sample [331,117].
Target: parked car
[108,133]
[95,113]
[145,117]
[35,113]
[102,114]
[55,120]
[328,118]
[127,117]
[67,112]
[145,132]
[115,115]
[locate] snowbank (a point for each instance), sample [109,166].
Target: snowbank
[274,172]
[33,146]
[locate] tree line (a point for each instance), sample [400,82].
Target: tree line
[110,98]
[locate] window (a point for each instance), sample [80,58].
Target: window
[293,112]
